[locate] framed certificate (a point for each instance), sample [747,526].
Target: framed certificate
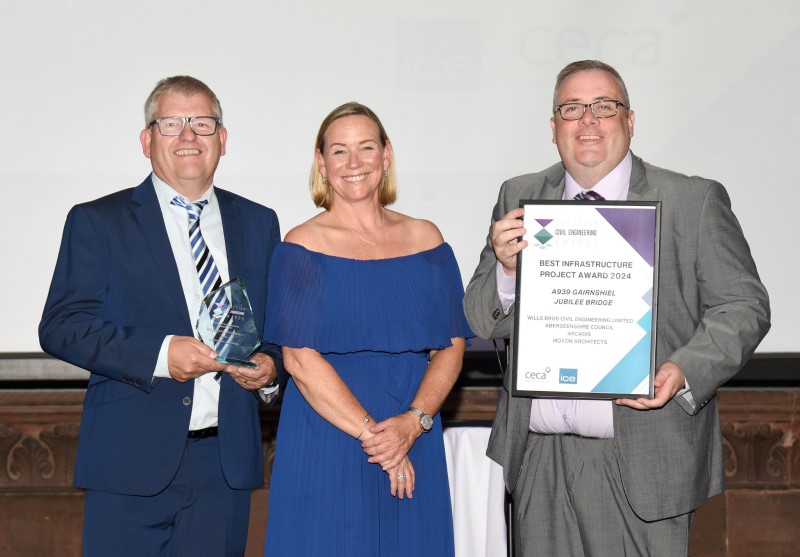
[586,300]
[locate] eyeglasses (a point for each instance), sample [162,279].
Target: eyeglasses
[600,109]
[173,125]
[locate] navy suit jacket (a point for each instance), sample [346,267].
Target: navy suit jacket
[115,295]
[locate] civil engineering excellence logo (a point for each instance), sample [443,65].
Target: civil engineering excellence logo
[543,236]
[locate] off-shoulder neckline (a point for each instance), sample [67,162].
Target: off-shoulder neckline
[320,254]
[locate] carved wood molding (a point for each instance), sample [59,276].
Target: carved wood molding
[760,429]
[37,456]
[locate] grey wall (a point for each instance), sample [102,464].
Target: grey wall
[463,88]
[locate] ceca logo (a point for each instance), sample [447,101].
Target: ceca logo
[538,375]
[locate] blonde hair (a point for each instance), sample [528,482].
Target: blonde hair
[321,192]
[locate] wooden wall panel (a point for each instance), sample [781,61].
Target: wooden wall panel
[759,514]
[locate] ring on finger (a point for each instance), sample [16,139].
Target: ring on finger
[401,477]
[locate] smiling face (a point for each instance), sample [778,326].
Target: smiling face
[354,160]
[186,162]
[591,147]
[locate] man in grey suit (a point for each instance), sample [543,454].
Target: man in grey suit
[599,477]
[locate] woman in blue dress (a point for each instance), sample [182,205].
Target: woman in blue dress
[367,304]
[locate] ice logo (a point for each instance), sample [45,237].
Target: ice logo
[567,376]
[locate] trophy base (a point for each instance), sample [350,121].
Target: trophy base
[238,363]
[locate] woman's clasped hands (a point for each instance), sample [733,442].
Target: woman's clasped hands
[388,447]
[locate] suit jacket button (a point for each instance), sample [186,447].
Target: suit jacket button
[187,401]
[496,314]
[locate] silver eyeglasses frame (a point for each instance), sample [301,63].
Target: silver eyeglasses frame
[185,119]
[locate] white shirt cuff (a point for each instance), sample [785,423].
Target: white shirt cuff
[269,393]
[162,364]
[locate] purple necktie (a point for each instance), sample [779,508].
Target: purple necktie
[588,195]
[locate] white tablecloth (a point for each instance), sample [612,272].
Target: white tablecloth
[477,493]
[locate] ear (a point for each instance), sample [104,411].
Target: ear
[388,156]
[146,137]
[223,139]
[631,119]
[321,163]
[553,127]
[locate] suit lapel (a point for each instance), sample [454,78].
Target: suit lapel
[235,246]
[640,189]
[235,241]
[151,223]
[554,184]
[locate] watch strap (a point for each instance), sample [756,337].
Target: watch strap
[423,418]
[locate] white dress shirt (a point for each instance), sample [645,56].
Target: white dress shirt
[176,220]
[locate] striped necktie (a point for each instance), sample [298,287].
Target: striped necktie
[208,273]
[203,260]
[588,195]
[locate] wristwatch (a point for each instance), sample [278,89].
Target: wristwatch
[425,420]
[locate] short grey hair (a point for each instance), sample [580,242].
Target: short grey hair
[179,85]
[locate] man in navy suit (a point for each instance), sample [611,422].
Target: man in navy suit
[169,447]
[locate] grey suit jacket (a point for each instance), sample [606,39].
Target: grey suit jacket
[712,313]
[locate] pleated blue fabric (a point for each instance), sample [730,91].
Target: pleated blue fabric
[375,322]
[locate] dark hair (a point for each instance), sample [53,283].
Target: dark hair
[587,65]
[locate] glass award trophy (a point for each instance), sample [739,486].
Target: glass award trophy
[226,324]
